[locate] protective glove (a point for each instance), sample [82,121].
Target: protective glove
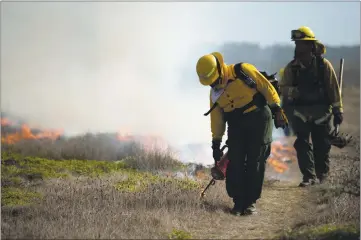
[280,118]
[217,153]
[337,119]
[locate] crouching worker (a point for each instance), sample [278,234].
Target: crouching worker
[244,99]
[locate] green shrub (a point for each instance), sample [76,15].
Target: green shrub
[12,196]
[179,234]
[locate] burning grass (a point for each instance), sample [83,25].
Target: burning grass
[95,147]
[140,152]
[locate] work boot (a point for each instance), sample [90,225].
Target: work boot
[323,178]
[238,207]
[251,209]
[306,183]
[237,210]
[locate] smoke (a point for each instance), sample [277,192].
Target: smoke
[116,66]
[101,67]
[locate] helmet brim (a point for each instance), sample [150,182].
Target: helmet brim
[209,80]
[305,39]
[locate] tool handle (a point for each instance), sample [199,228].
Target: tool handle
[212,182]
[340,74]
[340,81]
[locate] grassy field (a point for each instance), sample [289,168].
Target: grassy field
[87,188]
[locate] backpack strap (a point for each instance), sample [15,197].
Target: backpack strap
[240,74]
[321,75]
[320,68]
[296,73]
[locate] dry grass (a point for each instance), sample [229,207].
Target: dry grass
[335,203]
[92,208]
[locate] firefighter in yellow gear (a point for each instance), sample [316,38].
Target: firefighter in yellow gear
[244,99]
[310,85]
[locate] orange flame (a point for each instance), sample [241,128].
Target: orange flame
[279,153]
[25,133]
[200,174]
[148,143]
[125,137]
[5,122]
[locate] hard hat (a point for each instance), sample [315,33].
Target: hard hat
[209,68]
[303,34]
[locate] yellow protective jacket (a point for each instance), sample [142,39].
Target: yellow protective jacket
[331,87]
[237,94]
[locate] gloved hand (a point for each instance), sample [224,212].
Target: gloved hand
[337,119]
[217,153]
[280,118]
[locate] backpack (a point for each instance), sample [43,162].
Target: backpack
[258,98]
[320,80]
[273,80]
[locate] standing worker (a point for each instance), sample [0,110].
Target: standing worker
[239,95]
[310,83]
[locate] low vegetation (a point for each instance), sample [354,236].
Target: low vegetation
[48,192]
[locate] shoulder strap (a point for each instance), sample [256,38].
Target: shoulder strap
[240,74]
[295,73]
[320,68]
[321,76]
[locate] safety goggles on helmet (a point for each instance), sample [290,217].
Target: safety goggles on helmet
[218,80]
[297,34]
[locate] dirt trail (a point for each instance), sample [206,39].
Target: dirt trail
[278,209]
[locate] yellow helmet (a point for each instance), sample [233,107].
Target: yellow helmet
[303,34]
[209,68]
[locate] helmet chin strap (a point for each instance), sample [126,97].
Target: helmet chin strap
[223,76]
